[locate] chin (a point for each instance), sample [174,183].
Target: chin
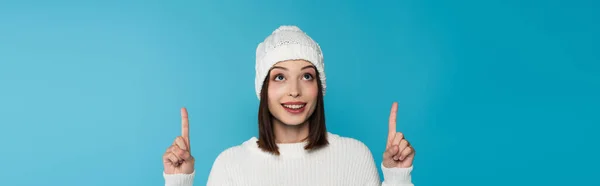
[291,119]
[293,122]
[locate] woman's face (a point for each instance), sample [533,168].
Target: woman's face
[292,91]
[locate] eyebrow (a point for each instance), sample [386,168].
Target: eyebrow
[283,68]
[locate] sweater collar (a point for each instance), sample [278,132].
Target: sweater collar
[286,150]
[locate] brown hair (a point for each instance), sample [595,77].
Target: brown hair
[317,132]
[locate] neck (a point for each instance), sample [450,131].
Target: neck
[290,133]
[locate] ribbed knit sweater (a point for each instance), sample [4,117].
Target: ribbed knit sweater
[345,161]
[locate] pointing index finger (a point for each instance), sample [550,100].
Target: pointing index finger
[392,123]
[185,125]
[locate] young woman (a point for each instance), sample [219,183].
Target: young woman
[293,146]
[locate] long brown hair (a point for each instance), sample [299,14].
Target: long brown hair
[317,135]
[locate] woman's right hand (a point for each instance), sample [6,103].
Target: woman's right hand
[178,158]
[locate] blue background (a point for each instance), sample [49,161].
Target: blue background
[490,92]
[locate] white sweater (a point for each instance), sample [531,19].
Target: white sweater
[346,161]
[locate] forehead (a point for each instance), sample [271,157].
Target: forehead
[293,64]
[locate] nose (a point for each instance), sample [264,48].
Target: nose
[294,89]
[294,94]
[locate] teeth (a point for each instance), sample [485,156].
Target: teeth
[294,106]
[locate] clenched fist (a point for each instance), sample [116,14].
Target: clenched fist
[178,158]
[398,151]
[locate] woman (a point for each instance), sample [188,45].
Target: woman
[293,146]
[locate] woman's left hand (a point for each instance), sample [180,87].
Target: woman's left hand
[399,153]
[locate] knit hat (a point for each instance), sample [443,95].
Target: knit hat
[287,43]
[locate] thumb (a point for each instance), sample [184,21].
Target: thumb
[390,152]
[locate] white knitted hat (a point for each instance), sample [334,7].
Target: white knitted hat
[287,43]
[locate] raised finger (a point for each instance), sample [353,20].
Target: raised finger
[392,122]
[398,137]
[185,124]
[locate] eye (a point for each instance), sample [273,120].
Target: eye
[279,77]
[308,76]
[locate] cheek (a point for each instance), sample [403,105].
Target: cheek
[311,90]
[275,91]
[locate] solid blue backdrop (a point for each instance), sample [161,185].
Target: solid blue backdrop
[490,92]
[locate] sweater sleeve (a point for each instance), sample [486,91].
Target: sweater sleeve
[179,179]
[396,176]
[391,176]
[219,173]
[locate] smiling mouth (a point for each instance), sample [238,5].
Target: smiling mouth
[294,108]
